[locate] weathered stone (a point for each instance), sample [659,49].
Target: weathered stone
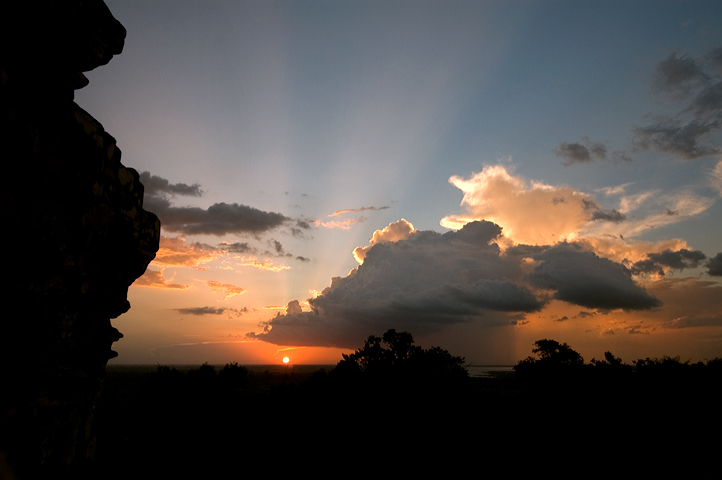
[75,235]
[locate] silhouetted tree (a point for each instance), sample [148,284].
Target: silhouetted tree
[396,354]
[556,362]
[551,351]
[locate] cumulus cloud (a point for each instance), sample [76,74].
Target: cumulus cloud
[581,152]
[583,278]
[534,213]
[426,282]
[714,265]
[394,232]
[683,134]
[531,213]
[154,278]
[422,283]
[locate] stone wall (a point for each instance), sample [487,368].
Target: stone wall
[74,236]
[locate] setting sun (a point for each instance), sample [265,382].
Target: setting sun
[286,360]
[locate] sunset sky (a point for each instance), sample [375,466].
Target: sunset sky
[317,166]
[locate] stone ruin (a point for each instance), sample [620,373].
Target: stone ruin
[75,235]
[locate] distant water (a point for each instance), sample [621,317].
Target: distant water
[474,370]
[488,370]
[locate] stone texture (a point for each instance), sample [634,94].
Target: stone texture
[74,236]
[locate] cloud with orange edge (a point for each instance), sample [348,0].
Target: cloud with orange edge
[175,251]
[393,232]
[342,224]
[228,289]
[154,278]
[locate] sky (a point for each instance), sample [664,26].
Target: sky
[481,174]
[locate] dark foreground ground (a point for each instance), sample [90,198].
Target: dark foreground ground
[225,423]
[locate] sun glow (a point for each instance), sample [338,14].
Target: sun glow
[286,359]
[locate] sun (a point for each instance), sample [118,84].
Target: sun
[286,359]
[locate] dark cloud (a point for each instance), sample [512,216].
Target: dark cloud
[582,278]
[424,284]
[155,185]
[237,247]
[218,219]
[598,213]
[678,75]
[526,250]
[303,259]
[580,153]
[678,260]
[682,134]
[277,246]
[201,311]
[715,60]
[427,282]
[676,138]
[714,266]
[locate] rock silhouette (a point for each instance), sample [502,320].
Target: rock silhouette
[75,235]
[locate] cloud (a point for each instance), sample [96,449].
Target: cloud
[218,219]
[693,322]
[620,156]
[265,264]
[682,134]
[237,247]
[583,278]
[671,260]
[534,213]
[357,210]
[715,177]
[226,288]
[531,213]
[303,259]
[199,311]
[580,152]
[423,283]
[154,278]
[598,213]
[678,75]
[714,265]
[342,224]
[177,252]
[155,185]
[394,232]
